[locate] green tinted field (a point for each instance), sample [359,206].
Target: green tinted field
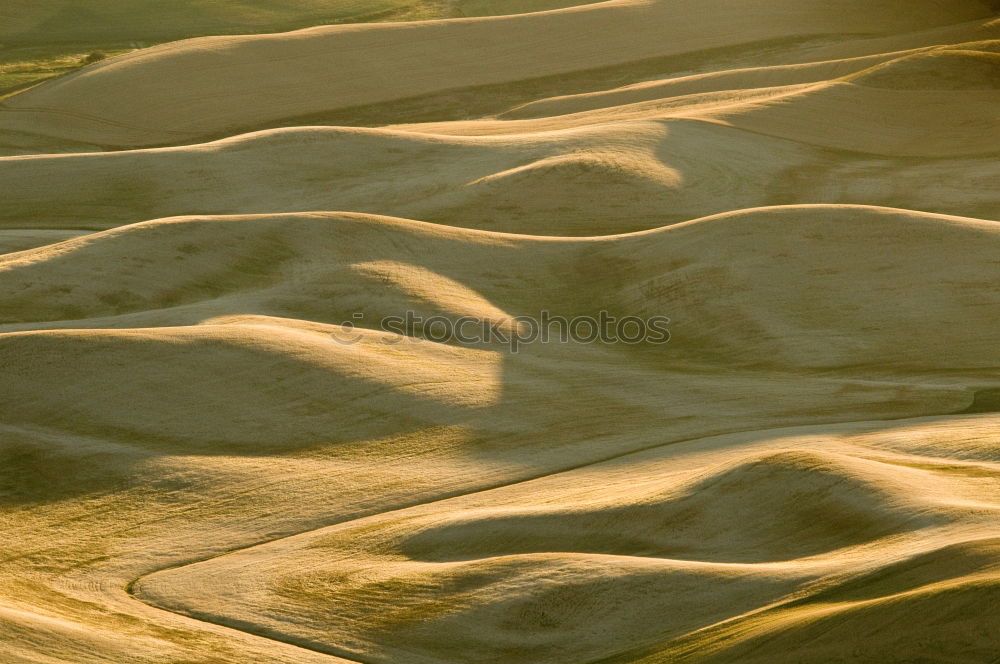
[23,67]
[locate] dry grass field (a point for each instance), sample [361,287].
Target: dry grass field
[214,450]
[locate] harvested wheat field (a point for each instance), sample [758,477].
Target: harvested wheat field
[501,332]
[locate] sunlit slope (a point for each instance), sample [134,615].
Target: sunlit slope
[960,66]
[179,92]
[660,153]
[193,400]
[796,286]
[220,336]
[200,462]
[892,108]
[747,546]
[651,174]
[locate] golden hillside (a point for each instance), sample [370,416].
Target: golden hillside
[214,448]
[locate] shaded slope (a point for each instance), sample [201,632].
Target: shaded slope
[931,68]
[945,597]
[211,89]
[802,286]
[518,574]
[648,174]
[47,21]
[194,469]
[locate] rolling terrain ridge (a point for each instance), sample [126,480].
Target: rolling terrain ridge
[195,466]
